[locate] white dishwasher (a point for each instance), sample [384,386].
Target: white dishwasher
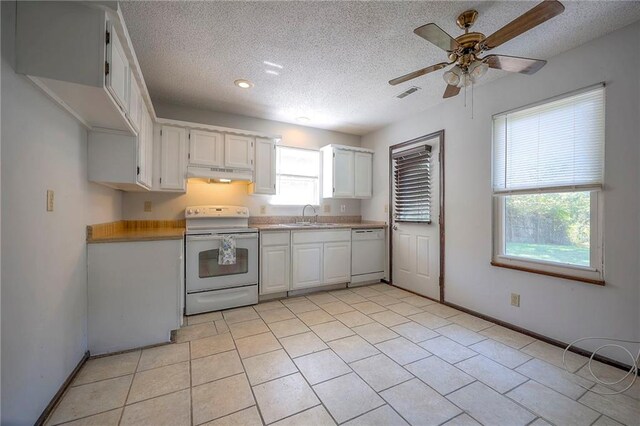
[368,254]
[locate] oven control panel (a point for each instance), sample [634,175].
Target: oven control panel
[215,211]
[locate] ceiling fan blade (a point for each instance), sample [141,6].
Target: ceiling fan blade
[451,91]
[514,63]
[534,17]
[437,36]
[418,73]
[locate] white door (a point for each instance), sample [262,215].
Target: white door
[415,262]
[307,265]
[274,269]
[205,148]
[336,262]
[173,160]
[343,173]
[265,171]
[117,79]
[238,151]
[363,174]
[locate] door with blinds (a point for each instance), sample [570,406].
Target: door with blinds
[415,209]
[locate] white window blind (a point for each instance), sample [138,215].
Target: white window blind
[412,185]
[557,145]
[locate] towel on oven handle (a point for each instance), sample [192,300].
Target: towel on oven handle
[227,252]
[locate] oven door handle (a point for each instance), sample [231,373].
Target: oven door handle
[249,236]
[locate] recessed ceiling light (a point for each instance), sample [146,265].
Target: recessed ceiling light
[272,72]
[302,119]
[243,84]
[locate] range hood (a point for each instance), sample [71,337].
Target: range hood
[219,174]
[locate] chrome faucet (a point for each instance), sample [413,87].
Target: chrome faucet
[314,212]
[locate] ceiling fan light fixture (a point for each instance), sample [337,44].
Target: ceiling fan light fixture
[452,77]
[478,69]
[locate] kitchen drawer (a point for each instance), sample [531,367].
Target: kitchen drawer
[277,238]
[302,237]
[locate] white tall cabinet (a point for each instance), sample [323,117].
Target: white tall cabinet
[347,172]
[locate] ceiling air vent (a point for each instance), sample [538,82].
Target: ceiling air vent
[411,90]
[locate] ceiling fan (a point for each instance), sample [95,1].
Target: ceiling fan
[464,51]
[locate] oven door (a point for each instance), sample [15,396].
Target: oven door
[203,271]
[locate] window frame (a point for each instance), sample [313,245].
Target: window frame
[593,274]
[318,201]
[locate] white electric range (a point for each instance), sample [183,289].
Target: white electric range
[209,285]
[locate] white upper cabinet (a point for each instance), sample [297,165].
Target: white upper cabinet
[79,55]
[363,164]
[145,147]
[238,151]
[264,181]
[117,71]
[343,173]
[206,149]
[135,111]
[173,158]
[347,172]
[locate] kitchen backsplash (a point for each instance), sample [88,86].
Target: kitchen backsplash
[166,205]
[269,220]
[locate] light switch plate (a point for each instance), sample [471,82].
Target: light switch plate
[343,208]
[148,206]
[49,200]
[263,209]
[386,208]
[515,300]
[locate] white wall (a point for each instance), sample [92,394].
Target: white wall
[561,309]
[44,274]
[171,206]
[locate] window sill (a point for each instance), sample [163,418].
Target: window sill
[548,273]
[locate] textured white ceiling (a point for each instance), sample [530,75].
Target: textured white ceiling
[337,56]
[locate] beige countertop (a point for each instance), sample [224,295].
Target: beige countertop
[295,227]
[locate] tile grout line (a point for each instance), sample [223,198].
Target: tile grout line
[253,395]
[130,386]
[191,383]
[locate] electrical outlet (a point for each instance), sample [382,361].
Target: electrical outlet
[147,206]
[515,300]
[386,208]
[327,208]
[343,208]
[49,200]
[263,209]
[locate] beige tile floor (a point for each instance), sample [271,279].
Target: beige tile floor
[374,355]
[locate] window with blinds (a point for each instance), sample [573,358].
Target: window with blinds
[412,184]
[557,145]
[548,167]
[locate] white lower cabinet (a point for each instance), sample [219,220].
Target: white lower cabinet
[336,269]
[134,293]
[307,265]
[320,258]
[275,262]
